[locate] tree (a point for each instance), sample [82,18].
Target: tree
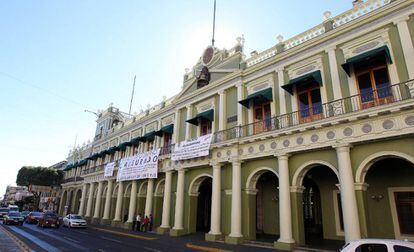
[29,175]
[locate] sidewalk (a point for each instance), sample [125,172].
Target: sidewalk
[193,242]
[8,242]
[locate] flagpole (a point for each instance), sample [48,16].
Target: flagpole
[214,22]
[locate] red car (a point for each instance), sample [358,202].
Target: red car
[49,219]
[33,217]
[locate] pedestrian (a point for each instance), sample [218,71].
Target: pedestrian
[145,225]
[138,220]
[150,222]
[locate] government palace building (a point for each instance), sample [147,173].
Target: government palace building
[310,141]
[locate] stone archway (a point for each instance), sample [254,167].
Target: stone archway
[318,204]
[76,201]
[200,203]
[62,204]
[158,202]
[262,194]
[387,195]
[142,196]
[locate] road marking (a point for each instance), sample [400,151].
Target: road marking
[152,249]
[70,239]
[126,234]
[109,239]
[21,244]
[44,245]
[46,232]
[205,249]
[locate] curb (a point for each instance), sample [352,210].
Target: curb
[125,234]
[22,245]
[205,249]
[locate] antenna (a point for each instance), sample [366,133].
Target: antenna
[132,95]
[214,23]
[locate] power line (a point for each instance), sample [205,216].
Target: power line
[44,90]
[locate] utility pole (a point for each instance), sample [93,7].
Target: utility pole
[132,95]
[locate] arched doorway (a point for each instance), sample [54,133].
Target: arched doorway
[158,203]
[322,222]
[389,198]
[267,207]
[204,206]
[77,199]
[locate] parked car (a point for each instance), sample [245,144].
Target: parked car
[74,220]
[33,217]
[13,208]
[49,219]
[25,214]
[3,211]
[378,245]
[13,217]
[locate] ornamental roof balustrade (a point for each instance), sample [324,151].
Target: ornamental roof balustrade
[359,10]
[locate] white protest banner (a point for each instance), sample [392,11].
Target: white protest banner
[198,147]
[141,166]
[109,169]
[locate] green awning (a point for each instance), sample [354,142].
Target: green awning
[380,52]
[203,116]
[103,153]
[113,149]
[68,167]
[265,95]
[123,146]
[137,140]
[82,162]
[94,156]
[306,79]
[166,129]
[150,135]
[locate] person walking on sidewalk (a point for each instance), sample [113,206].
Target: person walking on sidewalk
[138,220]
[151,219]
[145,225]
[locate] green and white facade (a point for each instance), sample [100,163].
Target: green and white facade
[313,139]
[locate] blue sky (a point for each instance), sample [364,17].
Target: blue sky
[58,58]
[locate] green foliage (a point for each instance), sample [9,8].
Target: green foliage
[29,175]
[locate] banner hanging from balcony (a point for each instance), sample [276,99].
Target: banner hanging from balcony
[141,166]
[198,147]
[109,169]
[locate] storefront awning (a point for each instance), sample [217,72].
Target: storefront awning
[382,51]
[94,156]
[166,129]
[149,135]
[82,162]
[203,116]
[137,140]
[265,94]
[306,79]
[113,149]
[123,146]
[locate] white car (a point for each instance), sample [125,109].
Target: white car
[74,220]
[378,245]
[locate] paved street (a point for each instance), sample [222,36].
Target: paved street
[99,239]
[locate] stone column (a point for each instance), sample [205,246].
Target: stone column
[149,198]
[285,211]
[179,205]
[235,236]
[166,205]
[177,126]
[98,201]
[108,200]
[90,199]
[348,199]
[222,110]
[333,67]
[406,43]
[83,198]
[119,199]
[215,230]
[189,125]
[133,201]
[240,96]
[282,92]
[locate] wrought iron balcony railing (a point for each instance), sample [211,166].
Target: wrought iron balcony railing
[367,99]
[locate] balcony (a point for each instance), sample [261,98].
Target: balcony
[73,179]
[166,149]
[365,100]
[93,169]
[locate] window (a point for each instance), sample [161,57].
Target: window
[374,86]
[262,117]
[399,248]
[404,202]
[372,247]
[205,127]
[150,144]
[310,104]
[112,157]
[167,138]
[135,149]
